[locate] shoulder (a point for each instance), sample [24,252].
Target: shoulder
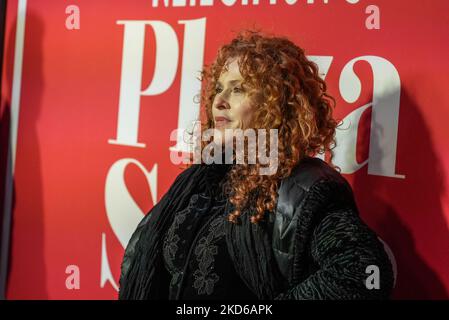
[311,170]
[183,181]
[187,174]
[314,183]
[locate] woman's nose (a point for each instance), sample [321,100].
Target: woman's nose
[222,106]
[222,103]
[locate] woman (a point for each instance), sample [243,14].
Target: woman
[225,231]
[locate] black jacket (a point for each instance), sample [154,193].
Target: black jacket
[323,248]
[315,246]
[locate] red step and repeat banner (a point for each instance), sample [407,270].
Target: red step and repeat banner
[93,89]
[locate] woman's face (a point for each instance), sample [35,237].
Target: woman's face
[231,105]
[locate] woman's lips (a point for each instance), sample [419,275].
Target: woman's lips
[221,122]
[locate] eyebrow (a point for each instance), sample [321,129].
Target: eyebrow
[231,82]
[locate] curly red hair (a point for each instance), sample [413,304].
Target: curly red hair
[287,94]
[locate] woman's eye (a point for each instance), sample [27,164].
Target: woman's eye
[235,89]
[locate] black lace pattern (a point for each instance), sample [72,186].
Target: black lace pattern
[205,251]
[194,247]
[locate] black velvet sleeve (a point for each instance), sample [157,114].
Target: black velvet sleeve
[343,247]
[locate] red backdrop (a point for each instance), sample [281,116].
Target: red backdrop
[97,104]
